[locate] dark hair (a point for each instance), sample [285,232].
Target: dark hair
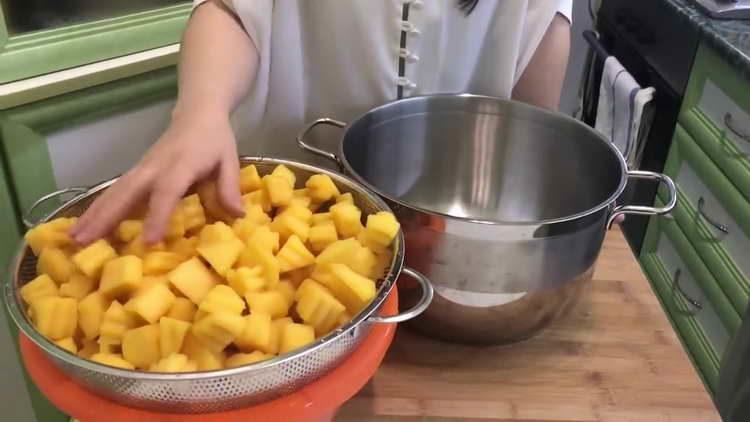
[467,6]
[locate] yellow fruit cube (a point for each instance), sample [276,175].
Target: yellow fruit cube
[271,302]
[217,330]
[140,346]
[287,224]
[128,230]
[345,197]
[317,307]
[322,273]
[185,247]
[296,336]
[106,346]
[112,360]
[192,279]
[152,303]
[182,309]
[350,252]
[299,212]
[91,259]
[176,225]
[256,335]
[160,262]
[322,235]
[353,290]
[78,286]
[344,319]
[121,276]
[287,289]
[259,197]
[215,233]
[265,238]
[254,218]
[90,313]
[347,218]
[199,315]
[221,255]
[137,247]
[380,231]
[209,197]
[278,189]
[173,363]
[320,218]
[68,344]
[53,234]
[321,188]
[257,254]
[146,283]
[296,277]
[40,287]
[284,172]
[242,359]
[303,202]
[115,322]
[88,348]
[193,214]
[172,334]
[56,264]
[382,265]
[244,279]
[222,298]
[55,317]
[206,359]
[277,328]
[249,179]
[294,255]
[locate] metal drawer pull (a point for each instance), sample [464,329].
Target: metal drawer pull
[720,227]
[728,123]
[697,306]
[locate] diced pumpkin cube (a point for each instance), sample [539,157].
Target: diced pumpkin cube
[295,336]
[254,218]
[174,363]
[256,335]
[91,259]
[249,179]
[298,202]
[284,172]
[320,218]
[56,264]
[221,255]
[345,197]
[209,197]
[192,279]
[40,287]
[322,235]
[215,233]
[349,252]
[146,283]
[78,286]
[111,360]
[68,344]
[294,255]
[160,262]
[176,225]
[321,188]
[90,313]
[53,234]
[344,319]
[271,302]
[140,346]
[128,230]
[322,273]
[259,197]
[296,277]
[299,212]
[278,189]
[121,276]
[347,218]
[153,303]
[317,307]
[256,254]
[241,359]
[205,358]
[244,279]
[380,231]
[217,330]
[199,315]
[115,322]
[55,317]
[222,298]
[185,247]
[265,238]
[277,328]
[382,265]
[137,247]
[194,216]
[172,334]
[287,224]
[182,309]
[353,290]
[287,289]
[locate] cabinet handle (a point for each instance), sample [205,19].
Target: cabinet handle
[697,306]
[720,227]
[728,123]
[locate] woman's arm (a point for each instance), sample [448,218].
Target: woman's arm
[541,82]
[217,66]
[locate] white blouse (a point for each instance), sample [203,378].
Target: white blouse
[336,58]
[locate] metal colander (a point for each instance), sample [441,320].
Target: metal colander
[201,392]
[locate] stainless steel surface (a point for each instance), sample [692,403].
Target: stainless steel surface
[696,306]
[728,123]
[718,226]
[230,388]
[421,304]
[725,9]
[29,222]
[647,210]
[500,202]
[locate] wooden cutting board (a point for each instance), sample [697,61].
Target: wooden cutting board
[614,357]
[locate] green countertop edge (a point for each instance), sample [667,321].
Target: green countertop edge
[34,54]
[23,129]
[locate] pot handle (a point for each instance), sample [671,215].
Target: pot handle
[29,222]
[422,304]
[317,151]
[646,210]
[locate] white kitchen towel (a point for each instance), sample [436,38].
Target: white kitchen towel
[620,107]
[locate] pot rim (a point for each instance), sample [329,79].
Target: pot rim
[593,210]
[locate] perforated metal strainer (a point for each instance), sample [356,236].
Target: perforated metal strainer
[201,392]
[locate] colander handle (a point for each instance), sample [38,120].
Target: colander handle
[315,150]
[29,222]
[421,306]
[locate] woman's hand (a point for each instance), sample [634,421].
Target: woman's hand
[196,145]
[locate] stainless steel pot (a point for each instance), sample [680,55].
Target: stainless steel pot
[504,206]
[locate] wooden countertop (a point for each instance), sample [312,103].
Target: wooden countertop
[614,357]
